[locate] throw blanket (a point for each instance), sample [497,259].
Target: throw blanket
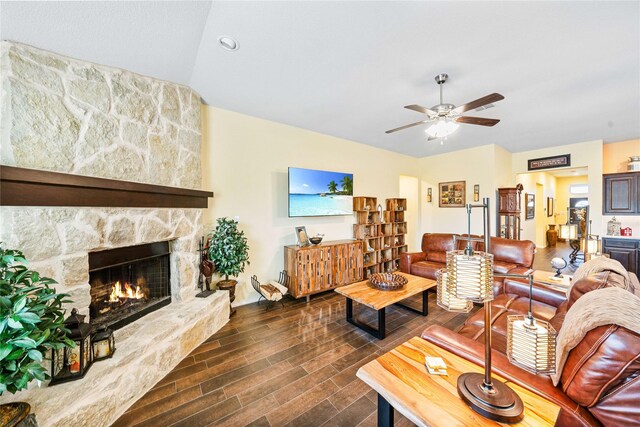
[600,264]
[597,308]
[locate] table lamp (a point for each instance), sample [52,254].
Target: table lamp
[469,277]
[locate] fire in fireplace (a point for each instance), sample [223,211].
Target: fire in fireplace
[128,283]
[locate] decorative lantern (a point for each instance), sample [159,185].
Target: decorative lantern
[448,300]
[470,275]
[103,343]
[531,344]
[568,231]
[68,364]
[591,244]
[613,227]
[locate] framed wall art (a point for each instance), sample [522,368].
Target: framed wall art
[549,206]
[530,212]
[452,194]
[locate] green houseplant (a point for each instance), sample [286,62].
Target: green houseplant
[228,249]
[31,322]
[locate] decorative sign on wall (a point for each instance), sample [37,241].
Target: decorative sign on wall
[550,162]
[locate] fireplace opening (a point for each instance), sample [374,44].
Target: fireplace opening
[128,283]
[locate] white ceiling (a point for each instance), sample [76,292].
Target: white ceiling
[569,71]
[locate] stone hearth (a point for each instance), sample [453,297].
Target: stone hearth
[66,115]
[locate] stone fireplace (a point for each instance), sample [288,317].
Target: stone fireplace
[64,115]
[127,283]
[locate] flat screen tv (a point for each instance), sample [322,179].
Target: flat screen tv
[319,193]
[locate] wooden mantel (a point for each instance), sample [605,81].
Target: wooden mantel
[30,187]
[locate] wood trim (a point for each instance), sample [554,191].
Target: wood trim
[30,187]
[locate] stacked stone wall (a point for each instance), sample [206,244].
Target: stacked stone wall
[66,115]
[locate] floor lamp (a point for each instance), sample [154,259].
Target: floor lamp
[469,278]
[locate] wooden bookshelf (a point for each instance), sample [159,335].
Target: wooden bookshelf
[395,237]
[369,229]
[383,235]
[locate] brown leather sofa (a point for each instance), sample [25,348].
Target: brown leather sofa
[600,383]
[509,256]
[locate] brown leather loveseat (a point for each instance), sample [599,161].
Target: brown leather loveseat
[509,256]
[600,382]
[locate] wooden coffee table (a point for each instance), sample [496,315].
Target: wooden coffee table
[403,384]
[365,294]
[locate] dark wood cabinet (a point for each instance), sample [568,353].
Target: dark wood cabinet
[620,194]
[508,213]
[626,251]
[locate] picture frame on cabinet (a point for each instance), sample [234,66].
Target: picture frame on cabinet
[530,205]
[301,235]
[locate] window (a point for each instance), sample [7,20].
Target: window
[579,188]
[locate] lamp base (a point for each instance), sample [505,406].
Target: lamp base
[499,404]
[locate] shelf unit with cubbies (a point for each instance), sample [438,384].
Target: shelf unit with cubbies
[395,227]
[369,229]
[383,235]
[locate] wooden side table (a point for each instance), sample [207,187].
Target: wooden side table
[403,383]
[547,278]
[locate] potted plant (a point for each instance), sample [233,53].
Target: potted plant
[228,249]
[31,324]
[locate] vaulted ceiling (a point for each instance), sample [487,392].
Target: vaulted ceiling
[569,71]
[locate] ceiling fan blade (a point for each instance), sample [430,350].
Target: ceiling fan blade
[494,97]
[407,126]
[482,121]
[421,109]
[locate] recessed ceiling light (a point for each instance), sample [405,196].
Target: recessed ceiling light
[228,43]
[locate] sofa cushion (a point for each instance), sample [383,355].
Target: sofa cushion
[502,267]
[426,269]
[605,356]
[605,279]
[436,246]
[504,305]
[520,252]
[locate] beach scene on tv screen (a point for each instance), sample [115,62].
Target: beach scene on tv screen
[320,193]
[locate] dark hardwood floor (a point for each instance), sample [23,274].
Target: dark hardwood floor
[289,367]
[292,366]
[542,260]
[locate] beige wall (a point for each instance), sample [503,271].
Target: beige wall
[616,155]
[245,161]
[542,185]
[584,154]
[488,166]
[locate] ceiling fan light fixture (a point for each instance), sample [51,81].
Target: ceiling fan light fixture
[442,128]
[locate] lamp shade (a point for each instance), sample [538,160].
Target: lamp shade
[448,300]
[442,128]
[470,277]
[568,231]
[591,245]
[531,344]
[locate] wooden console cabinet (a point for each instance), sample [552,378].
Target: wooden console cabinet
[318,268]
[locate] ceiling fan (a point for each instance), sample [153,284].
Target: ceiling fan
[445,117]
